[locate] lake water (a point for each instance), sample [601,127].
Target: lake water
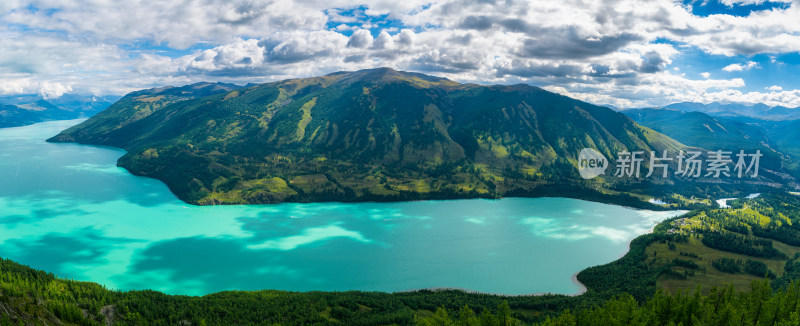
[67,209]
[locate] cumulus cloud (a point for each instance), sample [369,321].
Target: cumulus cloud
[360,39]
[46,89]
[406,37]
[739,67]
[383,41]
[236,55]
[294,47]
[53,90]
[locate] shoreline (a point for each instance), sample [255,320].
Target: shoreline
[581,290]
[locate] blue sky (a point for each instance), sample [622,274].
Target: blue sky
[706,8]
[769,69]
[623,53]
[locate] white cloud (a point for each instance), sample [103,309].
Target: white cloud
[46,89]
[601,51]
[770,31]
[360,39]
[53,90]
[383,41]
[236,55]
[774,88]
[773,98]
[739,67]
[179,24]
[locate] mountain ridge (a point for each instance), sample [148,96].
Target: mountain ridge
[376,134]
[753,110]
[775,139]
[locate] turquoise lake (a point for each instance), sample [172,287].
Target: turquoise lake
[67,209]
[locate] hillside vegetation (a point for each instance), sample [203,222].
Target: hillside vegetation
[775,139]
[373,134]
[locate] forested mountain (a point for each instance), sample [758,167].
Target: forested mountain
[12,116]
[375,134]
[776,139]
[699,129]
[782,135]
[140,104]
[23,110]
[786,135]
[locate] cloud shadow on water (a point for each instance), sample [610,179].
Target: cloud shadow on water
[59,252]
[37,215]
[302,260]
[213,264]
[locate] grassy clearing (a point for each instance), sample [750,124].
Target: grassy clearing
[661,254]
[707,276]
[306,119]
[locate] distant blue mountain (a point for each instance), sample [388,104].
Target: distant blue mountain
[759,111]
[776,136]
[20,110]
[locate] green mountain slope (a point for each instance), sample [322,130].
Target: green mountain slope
[12,116]
[786,136]
[102,128]
[374,134]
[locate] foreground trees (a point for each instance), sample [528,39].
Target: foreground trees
[721,306]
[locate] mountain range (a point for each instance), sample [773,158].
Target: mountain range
[776,139]
[376,134]
[381,134]
[23,110]
[757,111]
